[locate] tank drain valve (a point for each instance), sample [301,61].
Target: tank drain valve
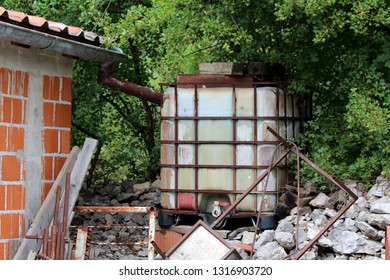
[216,209]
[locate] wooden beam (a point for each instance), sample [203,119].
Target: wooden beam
[78,174]
[45,214]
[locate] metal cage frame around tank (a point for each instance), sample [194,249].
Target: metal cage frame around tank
[282,118]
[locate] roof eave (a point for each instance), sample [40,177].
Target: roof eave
[44,41]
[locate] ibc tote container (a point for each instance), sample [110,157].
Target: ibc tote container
[214,143]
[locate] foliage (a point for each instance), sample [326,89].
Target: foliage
[337,50]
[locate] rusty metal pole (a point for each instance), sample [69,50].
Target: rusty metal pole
[152,231]
[244,194]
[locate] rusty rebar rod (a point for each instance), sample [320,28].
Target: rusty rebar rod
[250,188]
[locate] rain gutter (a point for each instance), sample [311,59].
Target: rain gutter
[45,41]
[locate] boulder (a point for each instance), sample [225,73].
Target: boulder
[378,190]
[379,220]
[302,210]
[319,201]
[264,238]
[368,230]
[346,242]
[141,188]
[285,226]
[270,251]
[285,239]
[370,248]
[381,206]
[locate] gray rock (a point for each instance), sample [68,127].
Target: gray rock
[302,210]
[363,216]
[238,231]
[285,226]
[368,230]
[311,254]
[288,198]
[285,239]
[370,248]
[381,206]
[349,225]
[270,251]
[302,235]
[346,242]
[319,201]
[264,238]
[339,257]
[247,237]
[330,213]
[318,217]
[378,190]
[325,242]
[139,219]
[312,231]
[379,220]
[141,188]
[352,211]
[362,202]
[156,184]
[126,197]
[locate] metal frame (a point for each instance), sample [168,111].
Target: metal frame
[337,183]
[82,251]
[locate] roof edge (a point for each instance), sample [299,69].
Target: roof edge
[45,41]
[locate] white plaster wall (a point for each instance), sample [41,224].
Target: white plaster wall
[37,63]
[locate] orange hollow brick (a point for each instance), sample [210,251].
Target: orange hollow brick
[10,168]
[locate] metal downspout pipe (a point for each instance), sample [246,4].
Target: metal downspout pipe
[106,79]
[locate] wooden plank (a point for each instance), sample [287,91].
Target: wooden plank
[32,255]
[78,174]
[45,214]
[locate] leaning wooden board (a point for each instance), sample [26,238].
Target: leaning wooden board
[77,164]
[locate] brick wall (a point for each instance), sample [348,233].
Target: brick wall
[13,101]
[55,134]
[57,112]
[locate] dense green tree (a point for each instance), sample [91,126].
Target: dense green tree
[337,50]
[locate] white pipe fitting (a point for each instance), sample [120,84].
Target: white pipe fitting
[216,210]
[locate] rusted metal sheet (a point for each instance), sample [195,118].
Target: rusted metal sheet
[166,239]
[81,243]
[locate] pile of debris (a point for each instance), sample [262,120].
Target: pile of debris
[115,242]
[358,234]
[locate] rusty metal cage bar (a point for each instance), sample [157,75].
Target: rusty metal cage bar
[83,232]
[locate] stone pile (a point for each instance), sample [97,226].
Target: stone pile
[130,193]
[357,235]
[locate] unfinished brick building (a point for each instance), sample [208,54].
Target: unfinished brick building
[36,65]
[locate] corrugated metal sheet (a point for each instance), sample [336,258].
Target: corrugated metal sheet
[50,27]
